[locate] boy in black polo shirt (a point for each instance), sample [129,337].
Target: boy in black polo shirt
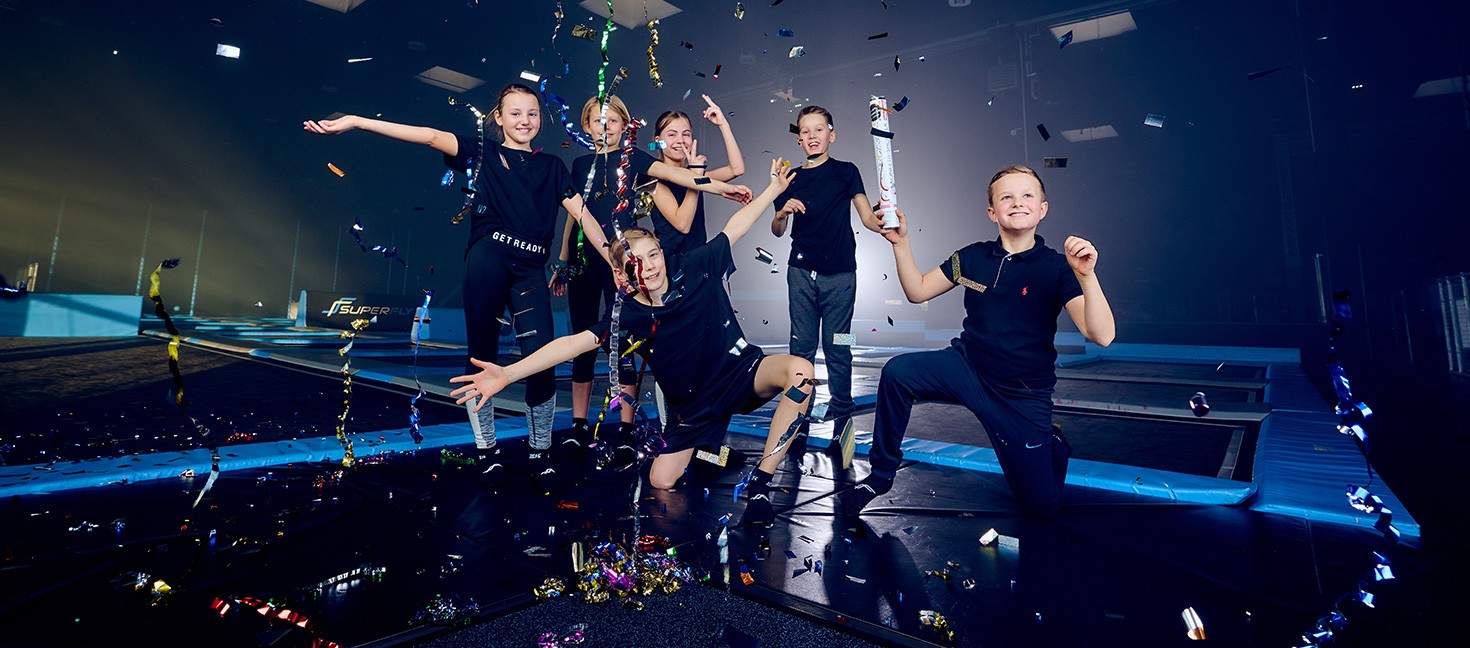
[1002,366]
[821,277]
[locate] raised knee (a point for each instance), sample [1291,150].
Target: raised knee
[802,370]
[663,482]
[895,368]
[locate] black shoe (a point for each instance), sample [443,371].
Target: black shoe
[492,470]
[758,510]
[574,441]
[548,480]
[843,443]
[866,491]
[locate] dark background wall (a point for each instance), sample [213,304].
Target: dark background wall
[1209,227]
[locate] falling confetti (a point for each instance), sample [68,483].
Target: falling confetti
[1064,40]
[334,169]
[1198,405]
[583,31]
[1194,627]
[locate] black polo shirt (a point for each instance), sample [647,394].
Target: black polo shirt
[1011,325]
[821,238]
[522,224]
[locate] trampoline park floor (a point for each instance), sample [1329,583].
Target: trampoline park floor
[1151,523]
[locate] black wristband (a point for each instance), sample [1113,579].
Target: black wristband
[701,180]
[698,166]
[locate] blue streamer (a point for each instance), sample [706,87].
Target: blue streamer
[1352,414]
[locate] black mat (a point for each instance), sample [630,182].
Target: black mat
[1109,569]
[65,401]
[693,616]
[1169,370]
[1176,394]
[1187,447]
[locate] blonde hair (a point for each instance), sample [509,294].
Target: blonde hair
[620,249]
[1014,168]
[593,107]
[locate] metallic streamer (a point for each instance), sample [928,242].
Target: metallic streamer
[155,293]
[474,173]
[658,81]
[348,458]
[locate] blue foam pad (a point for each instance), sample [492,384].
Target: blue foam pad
[1303,466]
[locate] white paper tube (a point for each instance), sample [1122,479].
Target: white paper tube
[883,152]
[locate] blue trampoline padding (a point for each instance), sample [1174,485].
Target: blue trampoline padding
[37,479]
[1148,482]
[43,478]
[1303,466]
[1289,389]
[1185,353]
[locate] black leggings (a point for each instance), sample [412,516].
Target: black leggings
[494,279]
[589,300]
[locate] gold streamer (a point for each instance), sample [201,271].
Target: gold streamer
[658,81]
[348,458]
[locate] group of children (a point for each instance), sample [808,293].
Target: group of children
[678,316]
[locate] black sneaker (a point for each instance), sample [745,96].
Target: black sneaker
[574,441]
[548,480]
[492,472]
[866,491]
[843,444]
[758,508]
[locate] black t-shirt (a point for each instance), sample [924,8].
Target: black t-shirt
[821,238]
[669,237]
[1010,327]
[697,347]
[603,198]
[516,201]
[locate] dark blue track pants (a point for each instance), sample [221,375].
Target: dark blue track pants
[1017,419]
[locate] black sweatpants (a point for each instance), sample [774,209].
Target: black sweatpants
[589,299]
[1017,419]
[497,281]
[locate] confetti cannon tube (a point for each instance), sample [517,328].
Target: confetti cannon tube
[883,152]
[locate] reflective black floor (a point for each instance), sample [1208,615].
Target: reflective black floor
[354,556]
[1107,569]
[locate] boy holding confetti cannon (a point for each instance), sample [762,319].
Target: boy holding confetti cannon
[821,277]
[1002,366]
